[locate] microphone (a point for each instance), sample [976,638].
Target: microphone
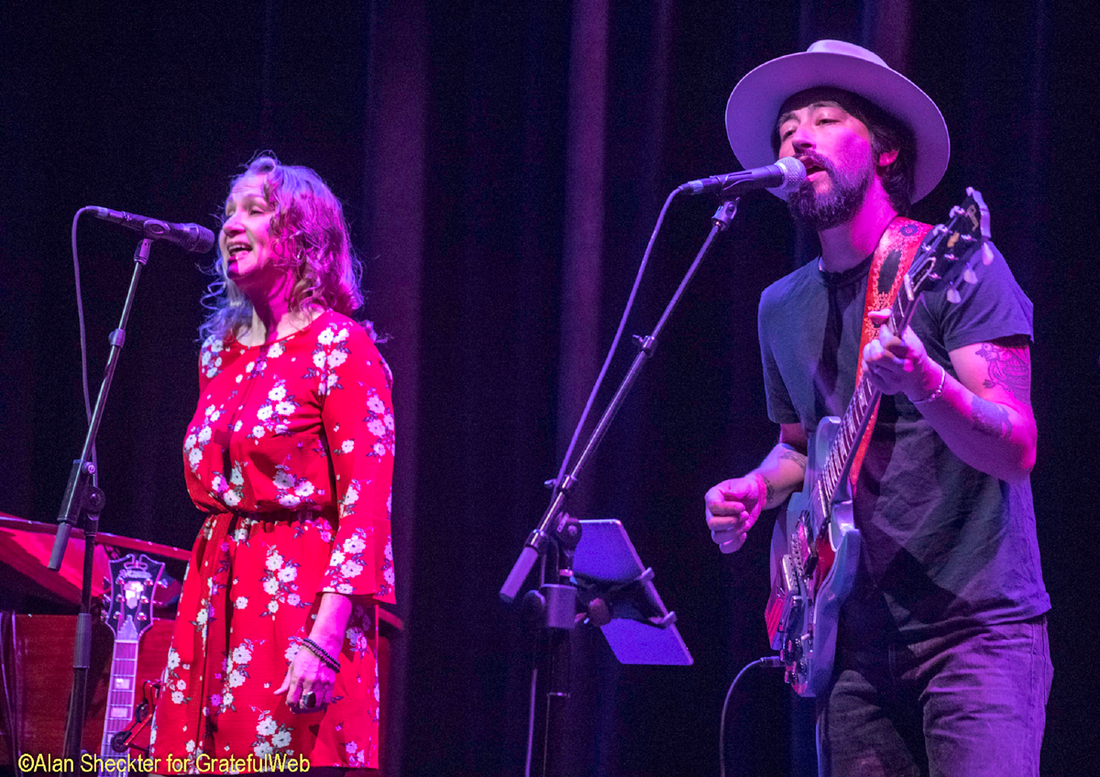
[786,175]
[190,237]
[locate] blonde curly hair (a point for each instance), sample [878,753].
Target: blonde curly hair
[310,228]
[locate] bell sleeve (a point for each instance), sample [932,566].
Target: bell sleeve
[358,425]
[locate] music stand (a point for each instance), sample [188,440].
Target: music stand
[640,630]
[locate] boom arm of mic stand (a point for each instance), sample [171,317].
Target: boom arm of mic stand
[81,495]
[535,544]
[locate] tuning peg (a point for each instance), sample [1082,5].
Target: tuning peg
[953,296]
[987,254]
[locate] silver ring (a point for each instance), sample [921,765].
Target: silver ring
[308,700]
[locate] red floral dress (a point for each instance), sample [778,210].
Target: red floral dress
[290,454]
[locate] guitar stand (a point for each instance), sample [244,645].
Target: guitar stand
[143,716]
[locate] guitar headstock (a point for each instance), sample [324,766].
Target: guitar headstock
[130,607]
[948,251]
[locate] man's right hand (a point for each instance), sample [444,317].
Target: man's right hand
[733,507]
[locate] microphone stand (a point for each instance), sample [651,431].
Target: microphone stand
[557,535]
[83,501]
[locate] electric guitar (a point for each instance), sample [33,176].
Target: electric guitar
[815,546]
[130,614]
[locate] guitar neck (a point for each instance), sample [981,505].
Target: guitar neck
[120,696]
[856,416]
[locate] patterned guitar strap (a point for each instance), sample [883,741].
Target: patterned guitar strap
[896,249]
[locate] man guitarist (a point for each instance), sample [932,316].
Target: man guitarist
[942,665]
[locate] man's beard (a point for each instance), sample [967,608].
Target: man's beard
[838,205]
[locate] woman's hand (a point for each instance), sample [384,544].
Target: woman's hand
[307,674]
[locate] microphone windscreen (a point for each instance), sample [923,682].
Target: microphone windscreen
[794,174]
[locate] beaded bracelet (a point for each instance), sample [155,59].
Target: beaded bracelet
[939,389]
[318,651]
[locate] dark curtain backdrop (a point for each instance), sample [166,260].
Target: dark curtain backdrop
[502,165]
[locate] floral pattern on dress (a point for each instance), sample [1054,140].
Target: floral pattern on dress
[279,582]
[203,616]
[272,738]
[195,442]
[357,757]
[292,491]
[172,681]
[210,360]
[379,423]
[360,629]
[318,524]
[230,490]
[347,562]
[387,566]
[234,674]
[300,510]
[330,354]
[274,414]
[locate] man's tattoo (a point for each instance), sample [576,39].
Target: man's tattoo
[794,456]
[1008,368]
[990,418]
[770,488]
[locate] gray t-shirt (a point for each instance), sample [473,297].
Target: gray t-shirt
[944,545]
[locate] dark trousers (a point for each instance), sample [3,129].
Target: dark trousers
[965,705]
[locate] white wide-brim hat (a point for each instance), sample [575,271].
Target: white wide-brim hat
[754,104]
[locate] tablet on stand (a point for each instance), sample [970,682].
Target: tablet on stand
[641,630]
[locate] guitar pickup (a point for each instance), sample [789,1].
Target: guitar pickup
[784,602]
[802,547]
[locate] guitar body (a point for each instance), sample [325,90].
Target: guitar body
[804,606]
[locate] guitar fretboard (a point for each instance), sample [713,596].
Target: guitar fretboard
[120,699]
[844,444]
[120,696]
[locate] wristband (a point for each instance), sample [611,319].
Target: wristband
[938,390]
[318,651]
